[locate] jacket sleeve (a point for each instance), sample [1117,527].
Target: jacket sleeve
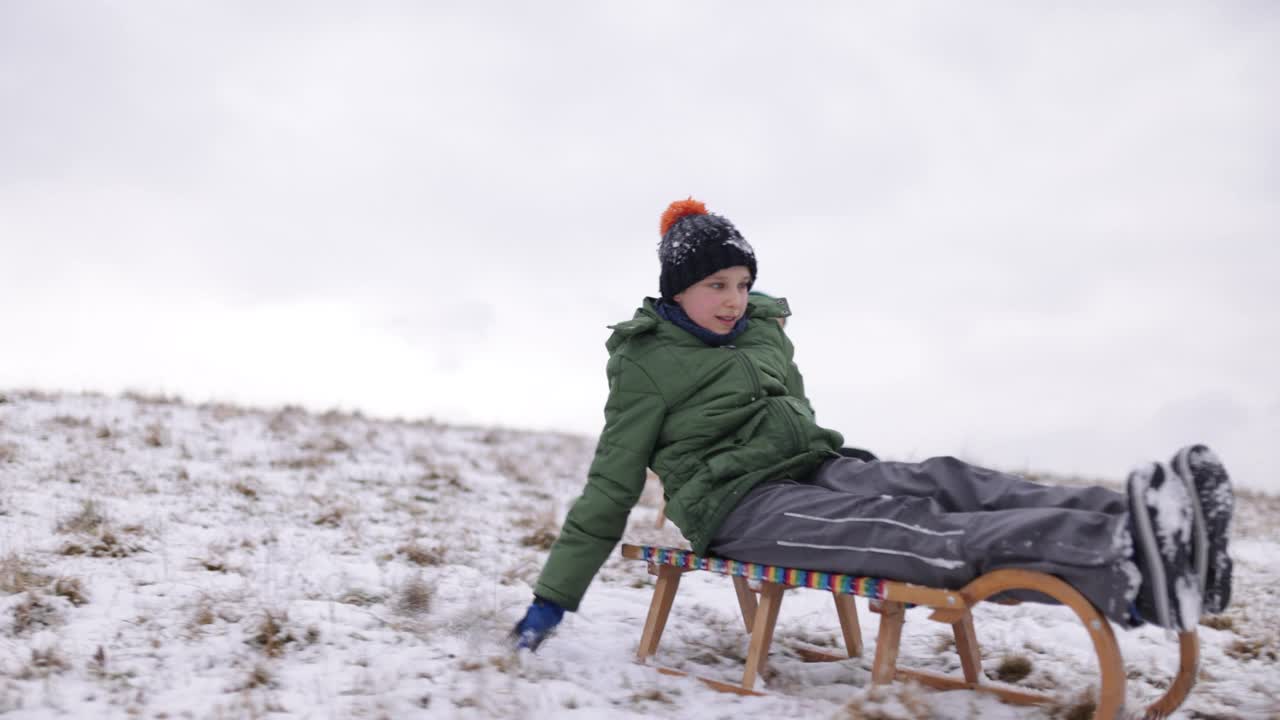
[594,525]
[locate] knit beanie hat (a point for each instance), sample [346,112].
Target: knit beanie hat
[696,244]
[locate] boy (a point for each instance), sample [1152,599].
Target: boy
[703,390]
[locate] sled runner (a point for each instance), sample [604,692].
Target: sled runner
[891,599]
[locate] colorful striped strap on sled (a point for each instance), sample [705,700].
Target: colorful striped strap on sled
[833,582]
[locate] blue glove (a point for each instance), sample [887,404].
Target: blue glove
[541,618]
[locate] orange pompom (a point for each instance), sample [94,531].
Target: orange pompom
[679,209]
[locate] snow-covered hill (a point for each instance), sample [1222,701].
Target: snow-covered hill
[162,560]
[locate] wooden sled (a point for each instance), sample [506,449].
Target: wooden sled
[891,599]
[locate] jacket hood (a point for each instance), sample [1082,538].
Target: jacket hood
[646,318]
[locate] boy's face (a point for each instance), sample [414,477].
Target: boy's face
[717,301]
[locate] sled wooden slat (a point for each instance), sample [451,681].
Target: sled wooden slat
[891,600]
[1007,693]
[713,684]
[746,600]
[659,608]
[847,613]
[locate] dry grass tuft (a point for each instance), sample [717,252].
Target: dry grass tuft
[8,452]
[97,665]
[99,668]
[526,571]
[652,695]
[70,470]
[332,517]
[899,701]
[334,416]
[507,663]
[43,663]
[304,462]
[1253,649]
[327,443]
[88,520]
[247,487]
[414,597]
[721,644]
[422,556]
[285,421]
[360,598]
[272,634]
[1219,622]
[203,615]
[442,476]
[544,526]
[221,411]
[1013,668]
[156,436]
[144,398]
[34,613]
[1081,706]
[945,644]
[542,539]
[71,589]
[106,545]
[1080,711]
[517,468]
[259,677]
[17,575]
[213,563]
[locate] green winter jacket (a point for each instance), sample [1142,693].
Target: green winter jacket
[712,422]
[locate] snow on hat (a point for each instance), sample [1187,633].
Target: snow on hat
[696,244]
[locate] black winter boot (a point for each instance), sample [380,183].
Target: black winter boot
[1161,513]
[1212,502]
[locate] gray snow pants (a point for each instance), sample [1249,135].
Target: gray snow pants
[941,522]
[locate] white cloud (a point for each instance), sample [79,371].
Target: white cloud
[1041,237]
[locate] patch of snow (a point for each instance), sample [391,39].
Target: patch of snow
[1171,513]
[271,563]
[1187,590]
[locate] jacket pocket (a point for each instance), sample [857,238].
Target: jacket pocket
[797,405]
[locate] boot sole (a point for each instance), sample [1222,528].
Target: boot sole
[1145,542]
[1171,578]
[1212,563]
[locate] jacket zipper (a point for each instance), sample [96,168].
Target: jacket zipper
[757,392]
[795,428]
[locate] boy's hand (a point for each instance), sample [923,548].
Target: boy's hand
[541,618]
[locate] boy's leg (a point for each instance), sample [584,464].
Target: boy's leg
[961,487]
[915,539]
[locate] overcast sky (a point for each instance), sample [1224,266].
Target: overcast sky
[1034,238]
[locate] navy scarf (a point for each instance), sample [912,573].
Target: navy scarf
[672,312]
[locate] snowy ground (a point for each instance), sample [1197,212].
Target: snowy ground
[159,560]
